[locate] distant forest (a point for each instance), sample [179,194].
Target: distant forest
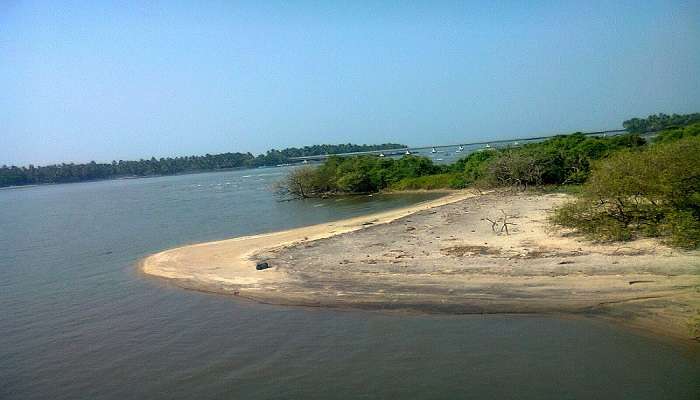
[64,173]
[658,122]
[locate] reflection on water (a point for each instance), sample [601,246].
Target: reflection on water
[78,321]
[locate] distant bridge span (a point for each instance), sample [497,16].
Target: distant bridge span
[402,150]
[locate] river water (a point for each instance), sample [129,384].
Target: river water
[77,320]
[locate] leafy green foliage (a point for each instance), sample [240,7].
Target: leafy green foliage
[515,168]
[364,174]
[473,167]
[560,160]
[673,134]
[659,121]
[587,219]
[430,182]
[682,229]
[655,192]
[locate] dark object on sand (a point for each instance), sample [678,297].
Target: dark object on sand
[633,282]
[262,265]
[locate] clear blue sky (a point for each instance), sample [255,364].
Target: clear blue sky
[101,80]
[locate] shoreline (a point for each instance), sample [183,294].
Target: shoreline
[453,264]
[240,249]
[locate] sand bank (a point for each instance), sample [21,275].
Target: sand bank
[444,256]
[228,265]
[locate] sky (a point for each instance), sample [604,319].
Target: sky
[101,80]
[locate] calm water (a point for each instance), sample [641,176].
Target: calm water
[78,321]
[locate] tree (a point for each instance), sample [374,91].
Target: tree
[655,192]
[660,121]
[299,183]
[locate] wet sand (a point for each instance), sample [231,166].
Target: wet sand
[444,256]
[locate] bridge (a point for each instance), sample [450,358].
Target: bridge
[402,150]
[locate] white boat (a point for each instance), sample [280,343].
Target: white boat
[381,154]
[433,150]
[408,153]
[516,143]
[460,149]
[488,146]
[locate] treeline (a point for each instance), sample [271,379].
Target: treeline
[63,173]
[628,188]
[657,122]
[563,159]
[276,157]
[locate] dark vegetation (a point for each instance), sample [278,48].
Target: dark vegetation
[673,134]
[625,187]
[650,193]
[62,173]
[560,160]
[659,122]
[357,174]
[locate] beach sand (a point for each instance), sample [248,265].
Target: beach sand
[444,256]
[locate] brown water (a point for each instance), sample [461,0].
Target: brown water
[78,321]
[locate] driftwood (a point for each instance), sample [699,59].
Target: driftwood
[502,222]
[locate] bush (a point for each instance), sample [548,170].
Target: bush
[559,160]
[587,219]
[299,183]
[682,229]
[568,159]
[430,182]
[655,192]
[359,174]
[474,166]
[659,121]
[515,168]
[674,134]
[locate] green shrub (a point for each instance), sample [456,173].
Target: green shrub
[656,122]
[430,182]
[515,168]
[682,229]
[655,192]
[359,174]
[587,219]
[474,166]
[300,183]
[673,134]
[559,160]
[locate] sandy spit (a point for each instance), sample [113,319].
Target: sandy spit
[230,262]
[445,256]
